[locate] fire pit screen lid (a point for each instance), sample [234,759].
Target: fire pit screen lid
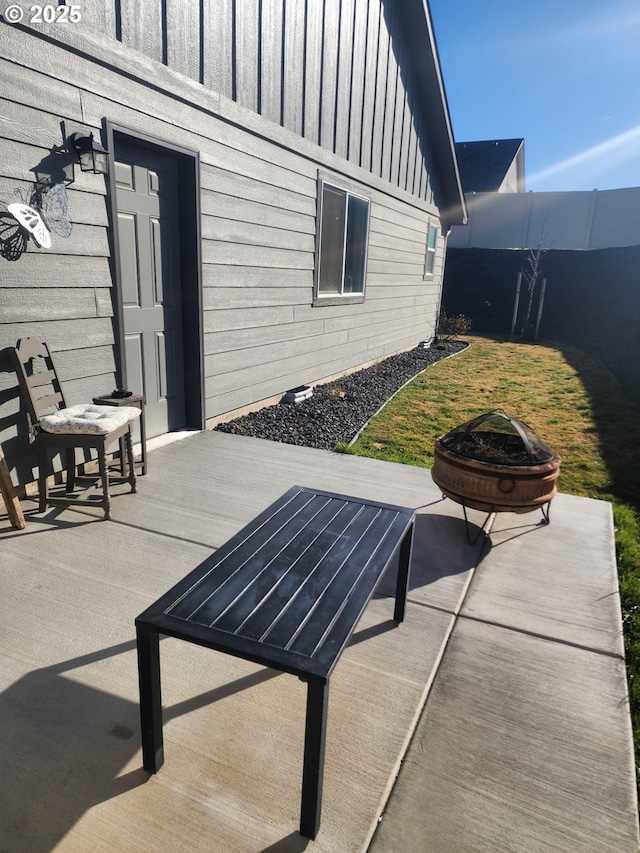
[498,438]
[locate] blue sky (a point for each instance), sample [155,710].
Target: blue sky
[562,74]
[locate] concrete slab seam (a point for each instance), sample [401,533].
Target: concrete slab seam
[386,793]
[537,636]
[161,533]
[388,789]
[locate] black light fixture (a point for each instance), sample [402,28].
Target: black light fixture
[91,155]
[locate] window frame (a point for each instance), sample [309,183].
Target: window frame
[350,190]
[430,254]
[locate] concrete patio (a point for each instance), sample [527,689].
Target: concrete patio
[495,718]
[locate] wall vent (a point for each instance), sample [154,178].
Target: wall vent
[297,395]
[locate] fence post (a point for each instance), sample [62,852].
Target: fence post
[540,304]
[515,304]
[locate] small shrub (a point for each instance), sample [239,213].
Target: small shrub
[452,326]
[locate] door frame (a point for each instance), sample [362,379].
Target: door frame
[188,162]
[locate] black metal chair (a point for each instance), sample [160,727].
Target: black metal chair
[54,425]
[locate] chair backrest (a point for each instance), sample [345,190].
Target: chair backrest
[38,378]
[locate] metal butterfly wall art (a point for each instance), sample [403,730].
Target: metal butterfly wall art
[46,212]
[32,222]
[52,204]
[13,242]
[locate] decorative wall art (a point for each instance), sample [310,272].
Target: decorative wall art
[52,202]
[45,209]
[32,222]
[46,212]
[13,239]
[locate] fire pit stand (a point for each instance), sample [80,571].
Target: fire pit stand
[496,463]
[491,511]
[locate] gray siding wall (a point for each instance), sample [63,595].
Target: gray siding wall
[336,72]
[258,189]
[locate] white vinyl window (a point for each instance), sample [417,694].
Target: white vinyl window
[430,259]
[343,232]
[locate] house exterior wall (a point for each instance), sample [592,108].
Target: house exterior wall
[335,72]
[262,138]
[566,220]
[514,179]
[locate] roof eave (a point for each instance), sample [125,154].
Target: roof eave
[453,211]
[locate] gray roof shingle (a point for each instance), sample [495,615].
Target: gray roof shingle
[483,165]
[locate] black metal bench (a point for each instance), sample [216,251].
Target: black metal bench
[286,592]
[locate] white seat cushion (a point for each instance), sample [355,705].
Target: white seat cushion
[87,418]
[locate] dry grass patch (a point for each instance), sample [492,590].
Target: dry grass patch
[566,397]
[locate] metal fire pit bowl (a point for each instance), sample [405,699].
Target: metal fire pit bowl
[496,463]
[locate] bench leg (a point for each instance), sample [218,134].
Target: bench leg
[402,582]
[313,767]
[150,699]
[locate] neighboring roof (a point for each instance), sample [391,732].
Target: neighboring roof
[418,30]
[483,165]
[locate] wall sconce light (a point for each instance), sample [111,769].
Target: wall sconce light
[91,155]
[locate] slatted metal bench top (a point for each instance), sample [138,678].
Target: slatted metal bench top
[288,589]
[286,592]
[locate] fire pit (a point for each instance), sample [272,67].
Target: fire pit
[496,463]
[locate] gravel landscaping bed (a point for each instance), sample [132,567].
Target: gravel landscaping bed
[337,410]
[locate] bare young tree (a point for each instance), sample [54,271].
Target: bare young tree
[532,276]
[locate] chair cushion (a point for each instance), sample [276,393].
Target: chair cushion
[87,418]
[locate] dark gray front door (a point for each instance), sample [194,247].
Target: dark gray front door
[149,249]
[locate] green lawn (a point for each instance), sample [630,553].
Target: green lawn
[572,402]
